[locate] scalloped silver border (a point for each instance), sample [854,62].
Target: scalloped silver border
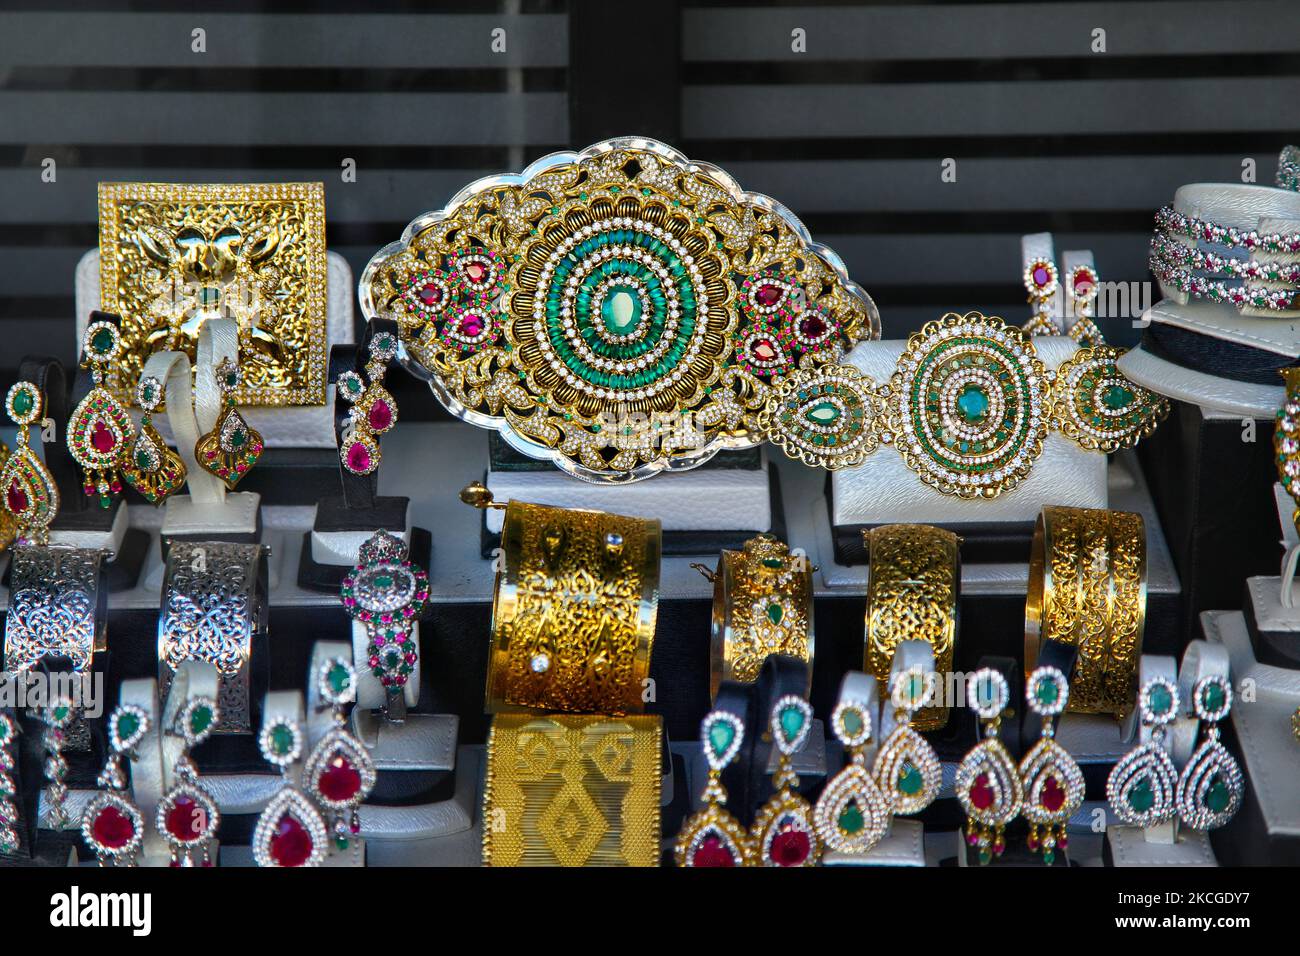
[680,462]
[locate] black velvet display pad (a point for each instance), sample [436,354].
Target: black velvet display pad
[1213,491]
[1213,355]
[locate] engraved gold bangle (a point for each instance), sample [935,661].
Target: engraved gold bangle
[762,605]
[1087,589]
[569,790]
[574,608]
[912,595]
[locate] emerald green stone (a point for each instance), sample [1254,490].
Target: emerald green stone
[1047,692]
[1160,700]
[791,720]
[1141,797]
[383,580]
[338,678]
[200,720]
[973,403]
[1049,857]
[127,725]
[721,734]
[237,438]
[851,820]
[851,720]
[774,613]
[620,310]
[774,563]
[823,413]
[101,342]
[986,692]
[23,401]
[909,779]
[354,385]
[141,459]
[61,712]
[105,501]
[986,856]
[1212,697]
[915,688]
[1117,397]
[1217,797]
[393,658]
[281,739]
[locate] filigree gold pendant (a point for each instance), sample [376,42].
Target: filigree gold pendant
[152,468]
[233,446]
[1099,407]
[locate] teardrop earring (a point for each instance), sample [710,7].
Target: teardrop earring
[187,816]
[233,446]
[1041,281]
[373,410]
[100,429]
[712,837]
[112,825]
[1210,788]
[1142,787]
[783,833]
[30,494]
[1051,779]
[907,770]
[988,781]
[152,468]
[1083,294]
[851,815]
[339,772]
[290,831]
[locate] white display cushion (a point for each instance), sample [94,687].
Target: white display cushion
[703,499]
[301,426]
[883,490]
[1219,395]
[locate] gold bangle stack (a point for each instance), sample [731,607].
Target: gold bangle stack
[912,595]
[762,605]
[1088,589]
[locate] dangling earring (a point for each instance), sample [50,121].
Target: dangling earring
[151,467]
[783,833]
[1083,293]
[1210,788]
[187,816]
[30,494]
[851,815]
[100,428]
[907,770]
[9,820]
[373,410]
[1142,787]
[112,825]
[712,837]
[58,715]
[233,446]
[340,772]
[988,783]
[290,831]
[1041,281]
[1052,781]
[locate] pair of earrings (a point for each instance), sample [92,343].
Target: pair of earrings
[187,817]
[373,411]
[29,492]
[1145,789]
[783,833]
[339,775]
[1042,282]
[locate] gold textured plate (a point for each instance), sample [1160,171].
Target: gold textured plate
[618,311]
[172,256]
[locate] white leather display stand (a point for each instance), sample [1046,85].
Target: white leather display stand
[303,426]
[191,412]
[883,490]
[340,547]
[1261,208]
[702,499]
[1169,844]
[319,722]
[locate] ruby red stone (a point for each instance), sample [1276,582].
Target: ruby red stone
[769,295]
[291,845]
[1082,282]
[1051,796]
[380,416]
[358,457]
[16,498]
[1041,278]
[101,438]
[471,326]
[112,828]
[791,847]
[340,780]
[712,852]
[981,794]
[430,294]
[764,351]
[813,327]
[184,819]
[476,271]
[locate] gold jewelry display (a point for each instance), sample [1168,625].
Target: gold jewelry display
[618,311]
[907,769]
[172,256]
[1087,589]
[31,497]
[100,429]
[762,605]
[233,446]
[569,790]
[1042,282]
[1050,778]
[1142,788]
[851,815]
[574,608]
[783,833]
[712,837]
[152,468]
[912,595]
[988,782]
[968,407]
[1286,439]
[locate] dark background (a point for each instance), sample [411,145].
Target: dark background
[1047,135]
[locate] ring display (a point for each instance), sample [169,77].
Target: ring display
[57,607]
[574,609]
[762,605]
[1087,589]
[213,604]
[912,595]
[619,311]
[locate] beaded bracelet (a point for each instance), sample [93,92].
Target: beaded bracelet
[1178,254]
[1288,169]
[1175,223]
[1199,287]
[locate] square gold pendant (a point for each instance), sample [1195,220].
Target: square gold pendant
[172,256]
